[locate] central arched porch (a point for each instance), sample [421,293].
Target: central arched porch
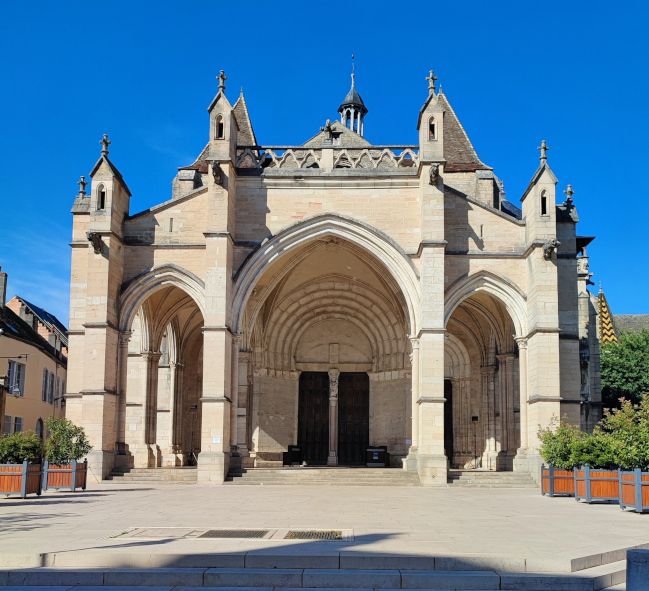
[326,317]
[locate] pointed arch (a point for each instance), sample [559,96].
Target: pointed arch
[135,293]
[363,235]
[504,290]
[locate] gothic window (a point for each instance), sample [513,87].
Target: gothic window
[432,129]
[219,130]
[101,198]
[544,203]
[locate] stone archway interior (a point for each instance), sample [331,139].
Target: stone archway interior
[327,307]
[481,372]
[160,410]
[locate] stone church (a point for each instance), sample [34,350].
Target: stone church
[332,295]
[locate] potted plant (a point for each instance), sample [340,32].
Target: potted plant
[557,442]
[597,474]
[20,464]
[66,445]
[629,428]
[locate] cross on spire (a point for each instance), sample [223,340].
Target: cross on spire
[222,78]
[82,185]
[105,142]
[431,81]
[543,149]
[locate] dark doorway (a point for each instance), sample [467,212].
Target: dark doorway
[353,418]
[313,417]
[448,421]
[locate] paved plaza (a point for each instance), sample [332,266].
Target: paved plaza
[153,525]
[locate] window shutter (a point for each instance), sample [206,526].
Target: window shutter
[12,372]
[21,384]
[44,389]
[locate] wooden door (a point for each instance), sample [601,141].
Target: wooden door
[448,421]
[353,418]
[313,417]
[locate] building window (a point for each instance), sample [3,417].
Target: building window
[432,129]
[50,388]
[16,378]
[219,129]
[18,424]
[39,428]
[101,198]
[7,425]
[44,388]
[544,203]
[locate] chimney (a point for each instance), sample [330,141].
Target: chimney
[3,288]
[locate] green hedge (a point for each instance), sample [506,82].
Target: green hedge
[18,447]
[620,440]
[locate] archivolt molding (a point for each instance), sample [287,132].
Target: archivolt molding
[500,288]
[143,286]
[456,358]
[367,238]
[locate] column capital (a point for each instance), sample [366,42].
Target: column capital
[151,355]
[521,342]
[125,337]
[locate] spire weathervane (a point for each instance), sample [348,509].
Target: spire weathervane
[105,142]
[82,185]
[221,78]
[431,82]
[543,148]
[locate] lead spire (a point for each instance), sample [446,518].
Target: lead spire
[353,110]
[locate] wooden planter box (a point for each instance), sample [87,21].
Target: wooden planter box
[65,476]
[20,480]
[634,490]
[556,482]
[593,485]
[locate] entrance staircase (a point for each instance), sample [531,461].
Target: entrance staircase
[490,479]
[334,476]
[180,475]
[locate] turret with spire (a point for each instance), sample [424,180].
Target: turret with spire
[353,110]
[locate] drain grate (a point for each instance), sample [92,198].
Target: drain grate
[234,533]
[313,534]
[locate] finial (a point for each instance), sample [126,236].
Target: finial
[221,78]
[353,69]
[568,192]
[543,148]
[105,142]
[241,91]
[431,82]
[82,185]
[601,289]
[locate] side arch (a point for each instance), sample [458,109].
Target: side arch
[142,286]
[501,288]
[368,238]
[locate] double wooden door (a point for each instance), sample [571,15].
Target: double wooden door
[353,418]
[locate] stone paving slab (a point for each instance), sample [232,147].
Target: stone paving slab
[512,530]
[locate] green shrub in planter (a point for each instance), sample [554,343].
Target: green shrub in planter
[66,442]
[18,447]
[597,450]
[628,428]
[557,444]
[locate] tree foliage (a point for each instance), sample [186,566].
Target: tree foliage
[18,447]
[65,442]
[625,368]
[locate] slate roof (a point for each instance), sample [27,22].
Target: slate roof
[46,318]
[631,322]
[246,136]
[15,327]
[352,98]
[348,138]
[459,153]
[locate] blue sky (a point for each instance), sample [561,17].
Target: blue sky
[515,72]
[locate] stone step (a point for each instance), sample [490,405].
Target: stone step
[593,579]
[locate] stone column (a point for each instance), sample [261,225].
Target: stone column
[178,403]
[488,417]
[411,459]
[332,460]
[214,458]
[520,461]
[235,459]
[122,368]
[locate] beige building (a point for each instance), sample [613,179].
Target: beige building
[331,295]
[33,364]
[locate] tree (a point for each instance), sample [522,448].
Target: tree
[625,368]
[65,442]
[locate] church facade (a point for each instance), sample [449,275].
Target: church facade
[333,295]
